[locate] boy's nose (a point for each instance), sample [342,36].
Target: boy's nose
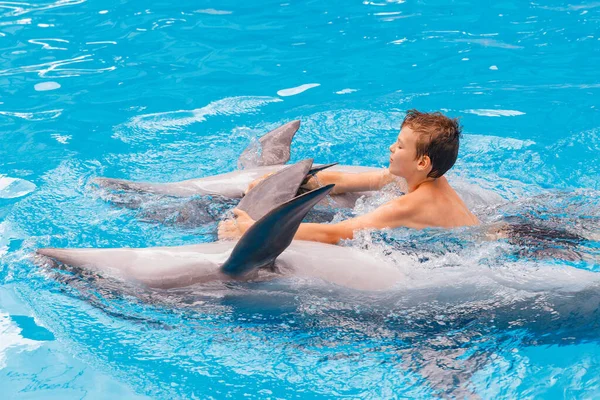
[392,147]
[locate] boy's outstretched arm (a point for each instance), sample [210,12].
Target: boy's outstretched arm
[345,181]
[351,182]
[390,215]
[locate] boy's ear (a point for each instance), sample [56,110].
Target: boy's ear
[424,163]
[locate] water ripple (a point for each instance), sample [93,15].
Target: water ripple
[148,126]
[494,113]
[53,69]
[20,8]
[34,116]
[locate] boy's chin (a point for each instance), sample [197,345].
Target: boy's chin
[395,173]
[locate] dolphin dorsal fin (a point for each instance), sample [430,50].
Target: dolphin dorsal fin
[271,235]
[278,188]
[274,148]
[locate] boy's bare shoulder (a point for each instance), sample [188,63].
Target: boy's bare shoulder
[409,203]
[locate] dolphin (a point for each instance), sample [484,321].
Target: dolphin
[272,153]
[265,251]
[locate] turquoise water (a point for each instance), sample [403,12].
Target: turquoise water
[168,91]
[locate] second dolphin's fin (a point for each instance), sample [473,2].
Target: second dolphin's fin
[319,168]
[312,172]
[271,235]
[278,188]
[274,148]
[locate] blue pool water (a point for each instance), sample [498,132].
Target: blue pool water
[166,91]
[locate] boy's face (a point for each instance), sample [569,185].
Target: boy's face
[403,161]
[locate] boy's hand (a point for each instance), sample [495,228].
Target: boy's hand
[257,181]
[311,183]
[234,228]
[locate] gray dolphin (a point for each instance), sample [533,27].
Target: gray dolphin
[203,199]
[274,152]
[268,243]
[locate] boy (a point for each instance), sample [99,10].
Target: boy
[426,148]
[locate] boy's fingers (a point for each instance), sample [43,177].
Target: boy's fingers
[240,213]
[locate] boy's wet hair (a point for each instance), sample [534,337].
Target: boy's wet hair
[438,139]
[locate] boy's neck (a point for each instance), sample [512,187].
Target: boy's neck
[414,184]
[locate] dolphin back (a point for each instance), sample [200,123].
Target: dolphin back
[275,190]
[271,235]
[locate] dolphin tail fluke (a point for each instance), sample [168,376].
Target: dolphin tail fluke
[274,148]
[271,235]
[278,188]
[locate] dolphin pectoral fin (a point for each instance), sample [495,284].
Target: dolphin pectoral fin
[271,235]
[274,148]
[278,188]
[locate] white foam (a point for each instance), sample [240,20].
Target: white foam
[346,91]
[297,90]
[484,112]
[212,11]
[64,139]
